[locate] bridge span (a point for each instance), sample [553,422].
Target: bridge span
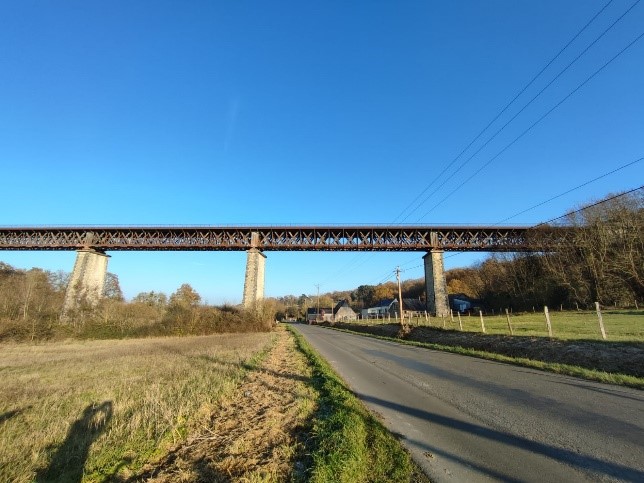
[92,242]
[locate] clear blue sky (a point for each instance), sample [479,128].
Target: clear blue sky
[211,113]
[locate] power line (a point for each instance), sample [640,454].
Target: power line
[572,189]
[590,206]
[597,178]
[570,94]
[534,78]
[512,119]
[521,110]
[521,91]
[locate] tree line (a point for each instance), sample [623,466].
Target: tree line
[31,303]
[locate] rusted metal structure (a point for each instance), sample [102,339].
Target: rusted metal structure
[91,244]
[286,238]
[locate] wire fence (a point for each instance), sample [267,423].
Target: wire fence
[618,325]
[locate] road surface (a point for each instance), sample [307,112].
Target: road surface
[466,419]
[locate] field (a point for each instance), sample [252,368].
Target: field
[101,408]
[619,325]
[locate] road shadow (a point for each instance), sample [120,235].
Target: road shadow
[577,460]
[516,396]
[68,460]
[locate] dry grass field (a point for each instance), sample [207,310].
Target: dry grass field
[96,409]
[259,433]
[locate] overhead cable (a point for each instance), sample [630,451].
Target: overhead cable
[526,131]
[534,78]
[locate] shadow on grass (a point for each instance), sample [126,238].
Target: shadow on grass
[10,414]
[68,459]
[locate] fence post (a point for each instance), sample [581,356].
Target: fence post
[443,317]
[451,315]
[426,321]
[545,311]
[507,316]
[601,320]
[482,323]
[460,324]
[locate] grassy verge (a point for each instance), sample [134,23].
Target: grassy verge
[558,368]
[348,443]
[95,410]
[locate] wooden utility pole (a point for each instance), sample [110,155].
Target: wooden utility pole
[400,305]
[317,313]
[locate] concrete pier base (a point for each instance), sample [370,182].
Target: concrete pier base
[254,281]
[435,284]
[87,280]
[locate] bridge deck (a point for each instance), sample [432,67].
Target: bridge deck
[289,238]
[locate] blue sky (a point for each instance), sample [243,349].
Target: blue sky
[218,113]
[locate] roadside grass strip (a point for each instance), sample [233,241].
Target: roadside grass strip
[348,444]
[557,368]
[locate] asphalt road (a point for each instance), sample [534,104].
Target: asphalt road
[466,419]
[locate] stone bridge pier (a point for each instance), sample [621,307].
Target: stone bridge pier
[435,283]
[255,269]
[87,279]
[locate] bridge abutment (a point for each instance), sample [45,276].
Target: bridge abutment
[87,280]
[435,283]
[255,269]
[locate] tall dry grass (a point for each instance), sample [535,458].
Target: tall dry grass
[99,409]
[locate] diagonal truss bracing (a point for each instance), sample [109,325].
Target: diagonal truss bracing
[291,238]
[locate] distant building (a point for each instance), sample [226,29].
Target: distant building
[414,306]
[340,313]
[462,303]
[343,312]
[325,314]
[380,311]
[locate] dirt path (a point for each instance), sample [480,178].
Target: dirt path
[256,434]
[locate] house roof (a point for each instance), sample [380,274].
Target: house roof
[340,304]
[385,303]
[314,310]
[462,296]
[414,304]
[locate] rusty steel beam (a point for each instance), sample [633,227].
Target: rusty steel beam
[288,238]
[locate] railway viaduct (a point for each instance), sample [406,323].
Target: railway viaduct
[92,243]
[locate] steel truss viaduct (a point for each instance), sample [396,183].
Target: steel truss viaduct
[91,242]
[286,238]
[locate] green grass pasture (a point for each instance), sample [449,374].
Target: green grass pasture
[620,325]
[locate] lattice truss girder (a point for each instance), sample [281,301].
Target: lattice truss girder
[378,238]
